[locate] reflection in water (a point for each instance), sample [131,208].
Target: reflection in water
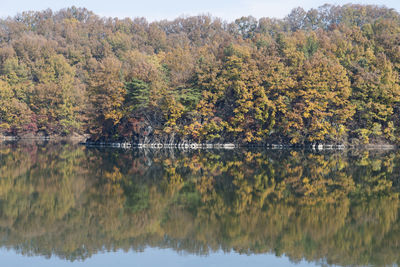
[71,201]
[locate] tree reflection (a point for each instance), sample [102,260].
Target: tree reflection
[71,201]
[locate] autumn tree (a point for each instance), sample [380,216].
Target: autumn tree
[106,95]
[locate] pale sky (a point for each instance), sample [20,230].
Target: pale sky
[170,9]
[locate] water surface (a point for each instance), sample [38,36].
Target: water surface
[67,205]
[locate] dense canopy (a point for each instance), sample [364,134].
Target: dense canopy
[328,75]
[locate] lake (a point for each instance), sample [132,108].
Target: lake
[69,205]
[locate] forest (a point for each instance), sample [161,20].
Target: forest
[326,75]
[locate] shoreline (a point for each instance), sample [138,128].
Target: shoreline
[83,140]
[230,146]
[72,138]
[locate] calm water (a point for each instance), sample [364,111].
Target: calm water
[66,205]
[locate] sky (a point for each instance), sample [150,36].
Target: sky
[153,257]
[170,9]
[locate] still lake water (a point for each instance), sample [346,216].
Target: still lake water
[68,205]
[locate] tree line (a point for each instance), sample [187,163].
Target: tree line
[327,75]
